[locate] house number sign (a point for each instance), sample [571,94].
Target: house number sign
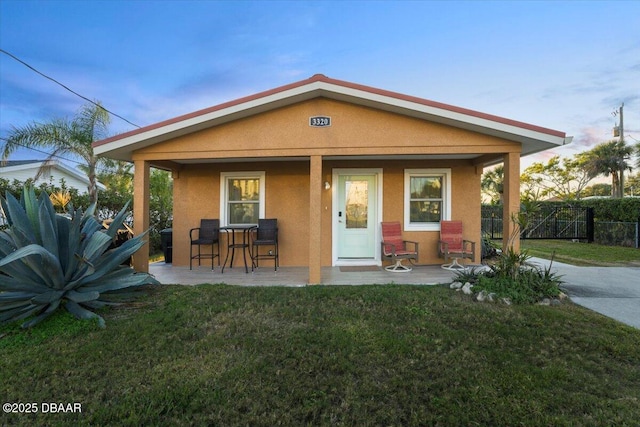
[319,121]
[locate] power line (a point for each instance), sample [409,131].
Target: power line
[66,87]
[44,152]
[98,168]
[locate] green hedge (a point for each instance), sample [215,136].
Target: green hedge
[623,210]
[617,210]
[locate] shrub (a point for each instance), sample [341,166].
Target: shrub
[623,210]
[48,261]
[513,276]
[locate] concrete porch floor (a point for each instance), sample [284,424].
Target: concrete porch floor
[295,276]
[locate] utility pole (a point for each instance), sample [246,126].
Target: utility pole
[621,143]
[620,132]
[621,123]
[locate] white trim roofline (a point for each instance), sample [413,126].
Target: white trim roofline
[533,138]
[54,164]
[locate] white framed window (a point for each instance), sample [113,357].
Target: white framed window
[242,196]
[427,198]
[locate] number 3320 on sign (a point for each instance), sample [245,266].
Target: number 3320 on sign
[319,121]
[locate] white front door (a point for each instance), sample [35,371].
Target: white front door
[356,216]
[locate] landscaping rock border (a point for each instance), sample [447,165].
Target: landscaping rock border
[484,296]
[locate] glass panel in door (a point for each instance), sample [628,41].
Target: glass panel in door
[356,216]
[356,204]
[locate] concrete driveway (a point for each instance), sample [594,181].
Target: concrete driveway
[611,291]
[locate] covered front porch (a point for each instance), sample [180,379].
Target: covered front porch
[298,144]
[298,276]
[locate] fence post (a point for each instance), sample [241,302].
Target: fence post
[590,226]
[638,231]
[492,217]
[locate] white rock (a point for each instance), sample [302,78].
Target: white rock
[466,289]
[482,295]
[455,285]
[507,301]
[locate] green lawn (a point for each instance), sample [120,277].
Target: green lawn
[584,254]
[344,356]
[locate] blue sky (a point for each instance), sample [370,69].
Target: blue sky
[562,65]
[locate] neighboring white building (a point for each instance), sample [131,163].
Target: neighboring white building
[23,170]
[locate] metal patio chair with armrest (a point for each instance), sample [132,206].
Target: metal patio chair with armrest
[265,235]
[453,245]
[395,249]
[208,234]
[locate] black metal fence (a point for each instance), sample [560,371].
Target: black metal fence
[550,222]
[491,221]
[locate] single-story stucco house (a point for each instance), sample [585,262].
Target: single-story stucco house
[302,153]
[54,172]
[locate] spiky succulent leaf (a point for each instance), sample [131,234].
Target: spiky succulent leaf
[12,284]
[82,313]
[40,261]
[30,203]
[95,246]
[49,261]
[117,222]
[90,213]
[115,281]
[48,227]
[72,244]
[47,297]
[5,243]
[20,272]
[89,227]
[15,313]
[19,218]
[39,318]
[83,296]
[112,259]
[17,295]
[64,228]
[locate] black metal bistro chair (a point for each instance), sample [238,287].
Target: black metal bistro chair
[266,235]
[208,234]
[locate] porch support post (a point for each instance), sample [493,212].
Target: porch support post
[315,220]
[141,213]
[511,205]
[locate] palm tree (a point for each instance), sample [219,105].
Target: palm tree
[65,137]
[610,158]
[493,183]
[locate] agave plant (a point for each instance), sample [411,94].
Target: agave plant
[50,261]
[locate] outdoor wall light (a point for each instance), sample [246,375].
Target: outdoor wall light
[327,185]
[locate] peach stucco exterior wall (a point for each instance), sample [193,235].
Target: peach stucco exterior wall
[197,195]
[355,130]
[284,135]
